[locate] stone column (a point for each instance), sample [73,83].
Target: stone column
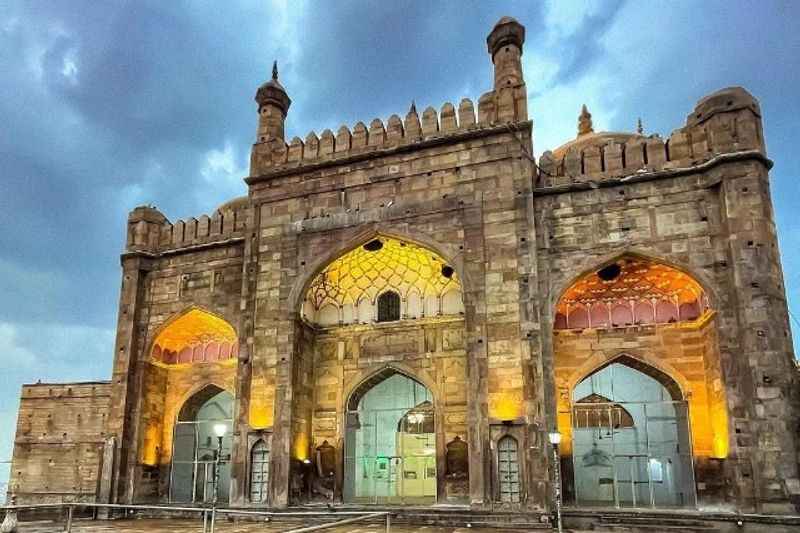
[121,421]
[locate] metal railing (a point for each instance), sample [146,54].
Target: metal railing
[209,514]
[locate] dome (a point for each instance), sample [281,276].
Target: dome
[507,31]
[272,92]
[595,139]
[233,205]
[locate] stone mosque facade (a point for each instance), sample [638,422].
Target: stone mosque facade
[401,312]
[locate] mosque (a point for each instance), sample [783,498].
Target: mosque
[413,311]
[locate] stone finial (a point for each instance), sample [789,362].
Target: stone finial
[639,127]
[275,70]
[585,122]
[413,108]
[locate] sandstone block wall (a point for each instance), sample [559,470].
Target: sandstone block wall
[58,449]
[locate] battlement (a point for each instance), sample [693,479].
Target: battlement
[725,122]
[151,232]
[494,107]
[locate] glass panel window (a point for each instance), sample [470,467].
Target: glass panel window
[195,448]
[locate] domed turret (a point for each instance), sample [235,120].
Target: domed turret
[505,45]
[273,105]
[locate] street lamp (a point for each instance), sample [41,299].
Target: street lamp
[219,431]
[555,440]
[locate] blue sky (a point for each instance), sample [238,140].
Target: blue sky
[108,105]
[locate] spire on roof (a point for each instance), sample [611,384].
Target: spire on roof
[413,108]
[585,122]
[639,127]
[275,70]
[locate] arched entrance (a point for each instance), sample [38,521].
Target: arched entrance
[381,329]
[390,442]
[626,419]
[195,447]
[631,439]
[190,349]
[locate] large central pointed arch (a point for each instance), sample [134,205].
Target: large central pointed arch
[315,264]
[383,279]
[390,440]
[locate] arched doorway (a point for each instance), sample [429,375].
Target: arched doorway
[664,319]
[196,346]
[195,447]
[631,439]
[390,442]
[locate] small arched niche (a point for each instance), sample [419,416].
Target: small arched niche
[385,279]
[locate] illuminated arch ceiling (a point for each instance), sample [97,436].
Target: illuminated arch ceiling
[635,284]
[195,336]
[370,269]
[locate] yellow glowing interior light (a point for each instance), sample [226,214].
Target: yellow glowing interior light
[637,279]
[399,265]
[261,404]
[192,328]
[149,451]
[300,447]
[260,417]
[719,425]
[505,405]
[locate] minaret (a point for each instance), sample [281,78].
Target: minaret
[273,104]
[505,45]
[510,95]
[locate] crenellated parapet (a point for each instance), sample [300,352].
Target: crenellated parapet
[150,232]
[725,122]
[506,103]
[378,136]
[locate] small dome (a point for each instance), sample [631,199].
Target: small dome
[272,92]
[595,139]
[233,205]
[507,31]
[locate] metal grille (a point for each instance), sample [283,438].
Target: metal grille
[259,472]
[508,468]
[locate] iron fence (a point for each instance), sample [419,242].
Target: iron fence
[209,514]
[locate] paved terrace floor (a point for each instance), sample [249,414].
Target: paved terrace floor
[196,526]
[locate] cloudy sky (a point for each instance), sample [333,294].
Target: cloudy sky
[108,105]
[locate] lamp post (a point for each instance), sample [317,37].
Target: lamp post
[555,440]
[219,431]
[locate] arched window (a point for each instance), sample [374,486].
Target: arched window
[388,306]
[195,447]
[259,472]
[508,469]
